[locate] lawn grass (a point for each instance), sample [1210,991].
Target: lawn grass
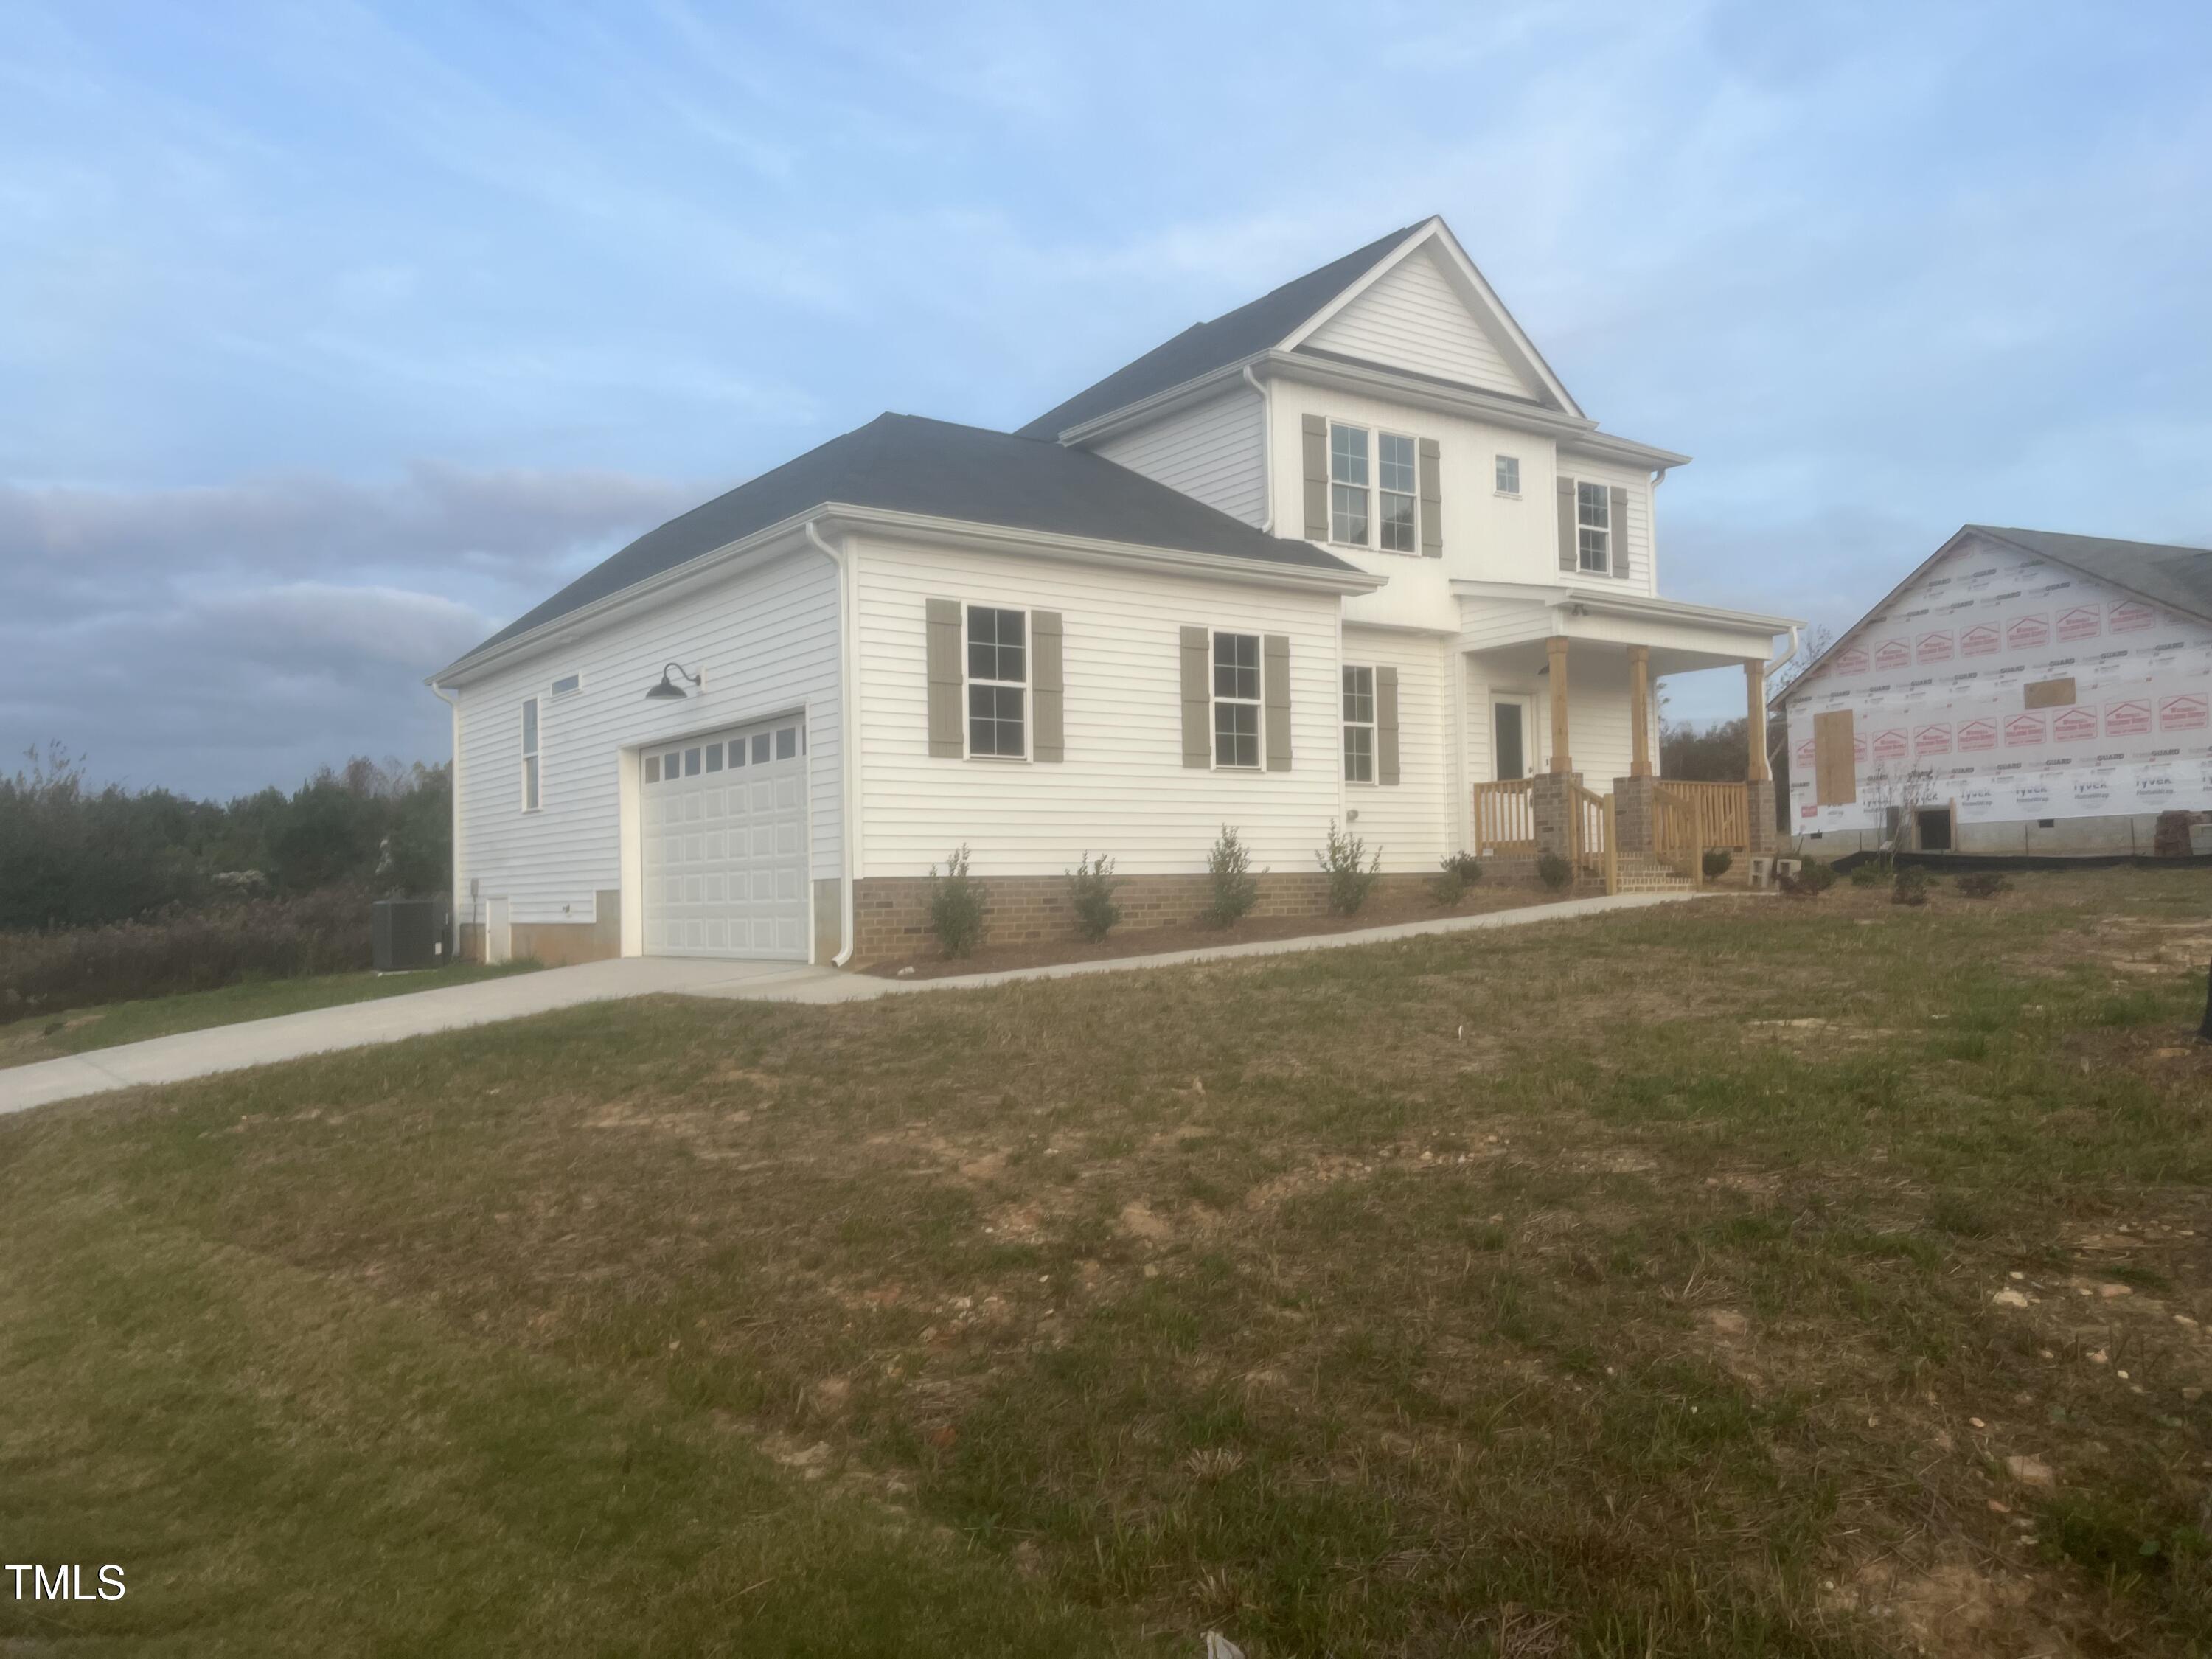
[48,1037]
[1622,1286]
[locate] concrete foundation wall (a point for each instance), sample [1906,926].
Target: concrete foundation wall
[2085,837]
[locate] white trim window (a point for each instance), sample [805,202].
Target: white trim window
[1397,471]
[1594,528]
[1237,701]
[998,681]
[1348,484]
[1509,474]
[1358,725]
[530,754]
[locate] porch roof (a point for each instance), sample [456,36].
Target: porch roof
[1513,617]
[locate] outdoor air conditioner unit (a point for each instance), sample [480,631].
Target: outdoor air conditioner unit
[408,933]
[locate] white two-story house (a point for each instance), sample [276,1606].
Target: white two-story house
[1351,552]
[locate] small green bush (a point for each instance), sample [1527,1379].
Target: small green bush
[1090,887]
[1912,888]
[1351,872]
[1459,871]
[1553,870]
[1718,860]
[1868,874]
[1235,888]
[1982,883]
[1816,877]
[955,905]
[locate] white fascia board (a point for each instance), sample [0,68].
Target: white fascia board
[1202,389]
[788,537]
[1604,447]
[1083,550]
[1562,597]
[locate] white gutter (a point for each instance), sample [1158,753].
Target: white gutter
[1267,451]
[1796,641]
[1226,567]
[454,825]
[849,731]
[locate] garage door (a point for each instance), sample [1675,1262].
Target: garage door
[724,819]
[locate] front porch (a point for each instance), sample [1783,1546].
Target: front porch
[1554,672]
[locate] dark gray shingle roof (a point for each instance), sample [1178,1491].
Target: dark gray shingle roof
[905,463]
[2180,577]
[1204,347]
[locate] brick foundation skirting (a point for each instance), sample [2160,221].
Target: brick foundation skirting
[891,913]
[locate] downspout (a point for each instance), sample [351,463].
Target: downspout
[849,730]
[1774,747]
[1266,452]
[453,827]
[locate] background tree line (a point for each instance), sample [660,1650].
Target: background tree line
[73,855]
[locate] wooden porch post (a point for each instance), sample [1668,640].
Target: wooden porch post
[1754,693]
[1639,710]
[1557,647]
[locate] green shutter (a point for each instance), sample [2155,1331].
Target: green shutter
[1048,740]
[1568,563]
[1386,725]
[1315,440]
[1432,499]
[1275,688]
[1197,697]
[947,685]
[1617,518]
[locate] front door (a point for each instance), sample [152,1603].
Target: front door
[1508,735]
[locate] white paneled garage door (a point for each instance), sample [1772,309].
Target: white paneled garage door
[725,821]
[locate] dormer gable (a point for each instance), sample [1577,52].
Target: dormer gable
[1426,310]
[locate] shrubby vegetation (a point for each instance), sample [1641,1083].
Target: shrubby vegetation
[1459,871]
[1234,889]
[1351,872]
[1090,887]
[108,893]
[1553,870]
[955,905]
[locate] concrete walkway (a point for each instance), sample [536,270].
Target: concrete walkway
[358,1025]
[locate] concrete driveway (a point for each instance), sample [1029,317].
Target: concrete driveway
[356,1024]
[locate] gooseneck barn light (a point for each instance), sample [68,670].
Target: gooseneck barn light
[668,688]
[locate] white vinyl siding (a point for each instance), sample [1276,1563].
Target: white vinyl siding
[1215,453]
[767,641]
[1634,531]
[1123,788]
[1412,821]
[1413,318]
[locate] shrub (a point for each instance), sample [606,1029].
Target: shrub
[1459,871]
[1351,872]
[1229,868]
[1090,887]
[1868,874]
[955,905]
[177,950]
[1553,870]
[1982,883]
[1912,888]
[1812,879]
[1716,862]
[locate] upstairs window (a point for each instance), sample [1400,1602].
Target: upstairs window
[1237,699]
[530,754]
[998,681]
[1594,528]
[1348,484]
[1359,725]
[1509,474]
[1400,481]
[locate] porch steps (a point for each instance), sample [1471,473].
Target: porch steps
[1643,872]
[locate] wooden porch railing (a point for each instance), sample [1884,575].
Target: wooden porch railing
[1723,812]
[1596,854]
[1678,836]
[1504,821]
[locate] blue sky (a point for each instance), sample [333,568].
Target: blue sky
[339,334]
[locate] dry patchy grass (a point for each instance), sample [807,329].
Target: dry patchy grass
[1763,1277]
